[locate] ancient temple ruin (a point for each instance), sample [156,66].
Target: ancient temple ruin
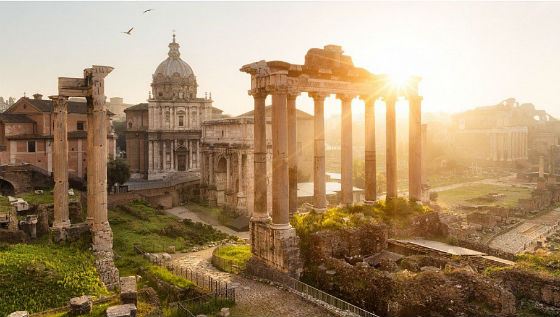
[91,86]
[325,71]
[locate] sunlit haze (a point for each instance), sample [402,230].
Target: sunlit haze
[468,54]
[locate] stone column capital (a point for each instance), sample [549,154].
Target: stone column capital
[318,95]
[259,94]
[369,98]
[60,103]
[344,97]
[292,94]
[414,98]
[390,98]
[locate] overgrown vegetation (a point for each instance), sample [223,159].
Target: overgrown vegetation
[165,275]
[396,212]
[139,224]
[36,277]
[540,262]
[235,255]
[118,172]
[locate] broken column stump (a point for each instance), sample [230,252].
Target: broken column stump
[126,310]
[129,293]
[80,305]
[20,313]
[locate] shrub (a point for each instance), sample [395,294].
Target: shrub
[227,256]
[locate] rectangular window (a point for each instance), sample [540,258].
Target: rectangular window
[181,121]
[30,146]
[80,126]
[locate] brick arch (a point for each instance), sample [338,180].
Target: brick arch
[6,187]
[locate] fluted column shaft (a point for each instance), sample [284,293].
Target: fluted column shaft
[90,162]
[319,186]
[370,152]
[280,179]
[415,148]
[346,150]
[60,158]
[259,134]
[98,132]
[292,152]
[391,147]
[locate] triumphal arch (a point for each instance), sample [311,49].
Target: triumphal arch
[325,72]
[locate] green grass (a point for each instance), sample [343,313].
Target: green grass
[165,275]
[235,254]
[5,204]
[545,263]
[472,194]
[139,224]
[46,197]
[36,277]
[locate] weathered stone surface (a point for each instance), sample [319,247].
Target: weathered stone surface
[224,312]
[80,305]
[13,236]
[126,310]
[129,293]
[20,313]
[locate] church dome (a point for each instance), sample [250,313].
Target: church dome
[174,78]
[174,64]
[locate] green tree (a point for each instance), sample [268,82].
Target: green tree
[118,172]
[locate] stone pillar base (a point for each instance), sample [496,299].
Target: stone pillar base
[369,202]
[102,242]
[277,248]
[319,210]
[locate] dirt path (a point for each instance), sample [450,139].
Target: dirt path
[501,181]
[252,298]
[184,213]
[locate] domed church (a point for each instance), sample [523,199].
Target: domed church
[163,135]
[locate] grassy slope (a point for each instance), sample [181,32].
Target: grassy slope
[467,195]
[40,276]
[142,225]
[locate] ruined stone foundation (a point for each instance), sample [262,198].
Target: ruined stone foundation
[102,238]
[277,249]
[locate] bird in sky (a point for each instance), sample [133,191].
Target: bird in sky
[129,32]
[146,11]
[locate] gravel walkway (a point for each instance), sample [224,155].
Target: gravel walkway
[253,298]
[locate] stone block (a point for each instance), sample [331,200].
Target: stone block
[19,313]
[129,293]
[171,249]
[224,312]
[80,305]
[126,310]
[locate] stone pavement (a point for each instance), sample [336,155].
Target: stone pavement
[253,298]
[524,236]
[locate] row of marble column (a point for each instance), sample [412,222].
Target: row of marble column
[157,155]
[284,158]
[508,145]
[96,159]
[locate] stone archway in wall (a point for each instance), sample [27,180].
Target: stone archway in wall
[6,188]
[221,178]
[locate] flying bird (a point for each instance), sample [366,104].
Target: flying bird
[129,32]
[146,11]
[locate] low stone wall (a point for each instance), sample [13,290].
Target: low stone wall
[165,197]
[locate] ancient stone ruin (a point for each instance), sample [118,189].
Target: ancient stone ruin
[326,71]
[90,86]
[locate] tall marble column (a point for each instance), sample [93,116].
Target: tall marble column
[191,144]
[99,149]
[292,152]
[280,179]
[415,148]
[60,158]
[239,171]
[211,168]
[228,173]
[346,150]
[260,212]
[391,147]
[90,162]
[319,185]
[370,152]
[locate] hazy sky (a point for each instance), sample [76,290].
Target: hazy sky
[468,54]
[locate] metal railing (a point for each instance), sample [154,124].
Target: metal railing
[202,281]
[310,292]
[205,304]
